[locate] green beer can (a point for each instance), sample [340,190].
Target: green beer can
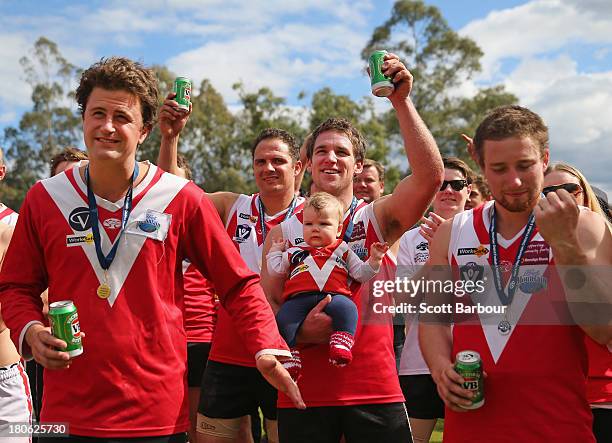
[65,326]
[469,366]
[382,86]
[182,89]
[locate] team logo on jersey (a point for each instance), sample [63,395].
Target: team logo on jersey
[532,281]
[79,219]
[478,252]
[77,240]
[423,246]
[150,223]
[359,232]
[471,271]
[298,257]
[112,223]
[361,251]
[242,233]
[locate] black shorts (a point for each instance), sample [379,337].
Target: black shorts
[197,356]
[421,394]
[380,423]
[231,391]
[602,424]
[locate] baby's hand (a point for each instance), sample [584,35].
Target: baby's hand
[278,245]
[378,250]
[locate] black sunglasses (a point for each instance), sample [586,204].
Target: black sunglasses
[457,185]
[572,188]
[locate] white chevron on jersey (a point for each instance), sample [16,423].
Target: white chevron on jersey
[463,235]
[157,198]
[7,215]
[320,275]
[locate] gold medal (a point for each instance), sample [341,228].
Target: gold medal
[103,291]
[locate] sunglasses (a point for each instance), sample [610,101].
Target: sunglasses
[572,188]
[457,185]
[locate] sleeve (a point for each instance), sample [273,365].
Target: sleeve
[358,269]
[209,248]
[278,262]
[23,277]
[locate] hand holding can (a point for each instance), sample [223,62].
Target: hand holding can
[182,89]
[65,326]
[382,86]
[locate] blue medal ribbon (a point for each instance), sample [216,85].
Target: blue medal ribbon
[106,260]
[497,275]
[349,228]
[262,214]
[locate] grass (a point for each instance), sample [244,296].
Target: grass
[436,435]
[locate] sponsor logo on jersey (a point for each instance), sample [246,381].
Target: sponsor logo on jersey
[478,252]
[423,246]
[244,216]
[471,271]
[112,223]
[298,257]
[77,240]
[79,219]
[301,268]
[242,233]
[150,223]
[361,251]
[421,257]
[298,240]
[532,281]
[536,253]
[359,232]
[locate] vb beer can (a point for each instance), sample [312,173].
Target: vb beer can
[65,326]
[469,366]
[382,86]
[182,89]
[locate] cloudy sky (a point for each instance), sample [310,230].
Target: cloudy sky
[555,55]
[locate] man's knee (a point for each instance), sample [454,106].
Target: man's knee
[271,430]
[218,427]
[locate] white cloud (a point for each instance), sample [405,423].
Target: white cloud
[14,91]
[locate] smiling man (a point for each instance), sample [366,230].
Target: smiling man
[125,281]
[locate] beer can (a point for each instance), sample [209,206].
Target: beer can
[382,86]
[182,89]
[64,320]
[469,366]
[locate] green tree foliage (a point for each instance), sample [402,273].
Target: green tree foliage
[439,60]
[50,126]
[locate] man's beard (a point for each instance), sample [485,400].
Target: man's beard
[521,205]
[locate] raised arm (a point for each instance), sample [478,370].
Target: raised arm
[582,246]
[171,123]
[411,197]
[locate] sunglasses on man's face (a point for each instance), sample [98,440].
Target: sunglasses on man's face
[572,188]
[457,185]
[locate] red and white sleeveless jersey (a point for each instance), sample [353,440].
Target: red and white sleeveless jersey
[200,304]
[599,383]
[324,269]
[8,216]
[371,377]
[131,379]
[244,229]
[535,390]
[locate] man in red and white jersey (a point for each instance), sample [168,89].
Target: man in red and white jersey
[7,215]
[362,401]
[232,389]
[531,348]
[422,400]
[111,236]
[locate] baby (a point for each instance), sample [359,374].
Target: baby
[323,264]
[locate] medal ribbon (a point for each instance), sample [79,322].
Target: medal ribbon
[262,215]
[349,228]
[106,260]
[497,275]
